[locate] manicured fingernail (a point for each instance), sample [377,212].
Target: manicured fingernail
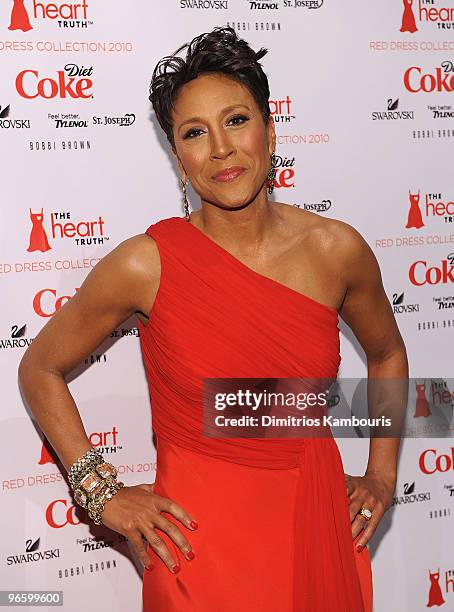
[193,524]
[176,569]
[359,548]
[190,555]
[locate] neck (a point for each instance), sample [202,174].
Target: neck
[246,228]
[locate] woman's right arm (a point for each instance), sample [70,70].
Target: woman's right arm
[109,295]
[124,282]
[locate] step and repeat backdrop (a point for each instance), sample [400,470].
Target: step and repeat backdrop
[362,95]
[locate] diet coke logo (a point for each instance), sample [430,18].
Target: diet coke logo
[60,513]
[46,303]
[285,172]
[431,462]
[440,80]
[421,273]
[71,82]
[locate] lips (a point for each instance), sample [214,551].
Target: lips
[228,174]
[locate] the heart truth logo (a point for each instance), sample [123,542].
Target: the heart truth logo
[83,233]
[65,14]
[106,441]
[426,10]
[434,206]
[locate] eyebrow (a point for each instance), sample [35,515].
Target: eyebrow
[222,112]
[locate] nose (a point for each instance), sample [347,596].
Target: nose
[221,146]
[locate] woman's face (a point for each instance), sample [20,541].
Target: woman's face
[218,127]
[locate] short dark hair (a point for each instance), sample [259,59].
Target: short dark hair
[217,51]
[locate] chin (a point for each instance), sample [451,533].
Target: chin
[235,200]
[234,204]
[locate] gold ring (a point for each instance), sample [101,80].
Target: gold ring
[366,513]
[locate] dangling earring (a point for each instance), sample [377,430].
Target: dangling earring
[185,199]
[272,173]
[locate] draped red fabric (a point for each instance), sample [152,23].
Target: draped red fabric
[214,317]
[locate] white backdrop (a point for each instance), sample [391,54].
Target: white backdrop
[364,115]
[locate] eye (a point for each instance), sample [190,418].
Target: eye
[191,133]
[239,119]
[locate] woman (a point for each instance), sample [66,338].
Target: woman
[242,287]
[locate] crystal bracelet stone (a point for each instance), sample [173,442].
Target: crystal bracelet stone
[93,482]
[84,469]
[97,503]
[84,496]
[91,458]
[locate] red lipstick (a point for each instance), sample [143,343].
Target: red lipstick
[228,174]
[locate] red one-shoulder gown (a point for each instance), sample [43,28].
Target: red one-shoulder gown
[274,530]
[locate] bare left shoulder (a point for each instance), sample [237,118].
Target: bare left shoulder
[348,255]
[348,246]
[365,307]
[331,237]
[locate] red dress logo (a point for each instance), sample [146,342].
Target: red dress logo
[38,236]
[414,214]
[47,453]
[408,18]
[422,408]
[435,594]
[19,17]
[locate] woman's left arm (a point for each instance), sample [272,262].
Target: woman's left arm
[368,312]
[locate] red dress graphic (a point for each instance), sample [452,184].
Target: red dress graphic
[408,18]
[38,236]
[46,455]
[19,17]
[435,594]
[214,317]
[414,214]
[422,405]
